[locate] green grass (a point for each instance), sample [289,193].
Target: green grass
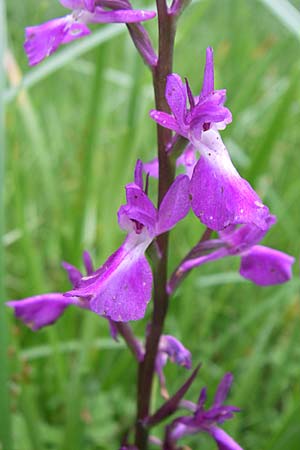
[74,128]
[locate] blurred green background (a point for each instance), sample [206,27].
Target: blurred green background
[72,138]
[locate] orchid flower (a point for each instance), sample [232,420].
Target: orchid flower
[206,421]
[172,349]
[121,288]
[220,197]
[262,265]
[42,40]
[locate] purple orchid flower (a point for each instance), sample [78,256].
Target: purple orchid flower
[42,40]
[205,111]
[263,266]
[121,288]
[220,197]
[42,310]
[206,421]
[172,349]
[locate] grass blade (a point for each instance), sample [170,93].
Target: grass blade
[5,425]
[286,13]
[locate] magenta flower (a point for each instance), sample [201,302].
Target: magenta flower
[42,310]
[263,266]
[121,288]
[206,421]
[42,40]
[172,349]
[220,197]
[204,111]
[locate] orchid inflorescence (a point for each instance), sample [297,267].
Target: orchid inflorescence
[235,218]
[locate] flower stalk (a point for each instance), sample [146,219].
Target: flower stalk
[166,33]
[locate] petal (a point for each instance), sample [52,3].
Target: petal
[72,4]
[121,288]
[138,208]
[167,121]
[224,441]
[175,204]
[74,274]
[41,310]
[76,31]
[208,77]
[174,349]
[121,16]
[243,238]
[220,197]
[176,98]
[126,295]
[89,5]
[88,263]
[138,174]
[223,390]
[209,110]
[42,40]
[266,266]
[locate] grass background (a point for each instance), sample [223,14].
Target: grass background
[72,137]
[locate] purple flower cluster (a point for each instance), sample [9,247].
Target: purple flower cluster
[223,201]
[206,421]
[121,288]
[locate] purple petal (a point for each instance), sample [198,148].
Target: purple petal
[174,349]
[121,16]
[138,210]
[74,274]
[175,204]
[223,390]
[241,239]
[42,40]
[209,110]
[121,288]
[74,4]
[266,266]
[223,440]
[176,98]
[126,295]
[220,197]
[152,168]
[208,78]
[88,263]
[138,174]
[41,310]
[202,398]
[167,121]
